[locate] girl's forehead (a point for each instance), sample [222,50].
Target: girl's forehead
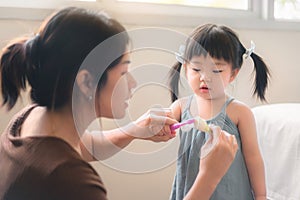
[200,57]
[206,59]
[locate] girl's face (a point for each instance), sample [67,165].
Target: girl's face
[113,97]
[208,77]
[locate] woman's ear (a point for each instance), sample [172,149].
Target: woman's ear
[234,73]
[84,81]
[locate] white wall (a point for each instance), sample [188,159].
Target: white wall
[278,48]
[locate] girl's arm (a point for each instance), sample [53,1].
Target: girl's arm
[176,108]
[153,125]
[255,166]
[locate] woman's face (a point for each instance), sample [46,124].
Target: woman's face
[113,96]
[208,77]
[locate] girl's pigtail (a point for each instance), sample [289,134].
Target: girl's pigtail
[262,76]
[13,72]
[174,77]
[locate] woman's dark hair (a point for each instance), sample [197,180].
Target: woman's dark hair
[50,60]
[219,42]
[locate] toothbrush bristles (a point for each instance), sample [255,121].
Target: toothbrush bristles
[201,125]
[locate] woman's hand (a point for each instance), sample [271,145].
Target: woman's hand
[154,125]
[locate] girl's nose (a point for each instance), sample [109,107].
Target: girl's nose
[205,77]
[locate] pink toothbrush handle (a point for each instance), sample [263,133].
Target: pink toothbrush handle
[173,127]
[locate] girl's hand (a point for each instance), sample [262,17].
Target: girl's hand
[154,125]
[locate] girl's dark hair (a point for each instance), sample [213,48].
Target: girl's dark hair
[219,42]
[50,60]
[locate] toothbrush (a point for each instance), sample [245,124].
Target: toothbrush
[198,122]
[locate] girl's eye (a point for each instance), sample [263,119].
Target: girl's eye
[217,71]
[196,69]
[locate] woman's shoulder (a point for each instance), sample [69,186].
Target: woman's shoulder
[74,170]
[53,169]
[49,154]
[74,178]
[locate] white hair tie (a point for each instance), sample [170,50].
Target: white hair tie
[250,50]
[180,54]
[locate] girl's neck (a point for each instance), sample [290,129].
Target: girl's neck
[207,108]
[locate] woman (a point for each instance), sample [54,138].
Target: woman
[41,154]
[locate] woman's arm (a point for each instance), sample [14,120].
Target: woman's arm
[251,152]
[153,125]
[100,145]
[213,166]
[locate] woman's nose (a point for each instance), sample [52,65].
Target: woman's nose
[131,81]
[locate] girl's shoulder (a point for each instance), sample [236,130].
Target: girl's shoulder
[184,101]
[237,110]
[178,106]
[236,104]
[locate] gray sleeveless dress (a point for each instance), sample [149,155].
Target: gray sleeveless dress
[235,185]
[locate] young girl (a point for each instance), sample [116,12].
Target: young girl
[211,60]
